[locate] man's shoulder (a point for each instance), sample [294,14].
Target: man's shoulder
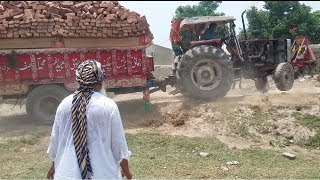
[99,99]
[67,101]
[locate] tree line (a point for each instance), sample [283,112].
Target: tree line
[277,19]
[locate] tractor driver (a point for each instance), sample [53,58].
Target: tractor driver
[209,33]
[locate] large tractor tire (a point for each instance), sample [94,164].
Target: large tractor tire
[284,76]
[205,72]
[262,84]
[42,102]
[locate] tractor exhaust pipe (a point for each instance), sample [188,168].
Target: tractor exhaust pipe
[244,26]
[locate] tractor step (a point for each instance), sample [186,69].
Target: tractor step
[237,72]
[237,77]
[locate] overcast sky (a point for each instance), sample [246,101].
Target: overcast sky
[160,13]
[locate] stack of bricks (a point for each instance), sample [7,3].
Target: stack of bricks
[72,19]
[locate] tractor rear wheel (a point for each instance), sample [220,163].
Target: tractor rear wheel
[43,101]
[284,76]
[205,72]
[262,84]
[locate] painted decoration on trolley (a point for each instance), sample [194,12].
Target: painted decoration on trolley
[123,67]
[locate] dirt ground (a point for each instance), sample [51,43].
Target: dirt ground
[232,119]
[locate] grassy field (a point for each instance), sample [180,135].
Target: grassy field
[159,156]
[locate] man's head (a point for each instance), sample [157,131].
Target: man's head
[90,75]
[212,25]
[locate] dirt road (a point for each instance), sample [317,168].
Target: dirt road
[232,119]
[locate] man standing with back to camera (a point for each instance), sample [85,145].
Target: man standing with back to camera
[87,138]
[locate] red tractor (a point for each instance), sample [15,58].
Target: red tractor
[204,70]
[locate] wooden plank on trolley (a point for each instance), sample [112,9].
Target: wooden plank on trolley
[29,43]
[44,43]
[101,42]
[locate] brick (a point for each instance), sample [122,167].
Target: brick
[28,14]
[7,5]
[9,35]
[56,16]
[18,17]
[79,13]
[88,15]
[29,34]
[65,10]
[15,12]
[124,16]
[96,5]
[108,5]
[92,9]
[24,4]
[1,8]
[80,5]
[100,17]
[111,17]
[6,14]
[86,8]
[100,10]
[36,15]
[94,15]
[83,15]
[67,4]
[39,7]
[49,4]
[36,34]
[70,15]
[54,10]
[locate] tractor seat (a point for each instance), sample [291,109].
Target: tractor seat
[211,42]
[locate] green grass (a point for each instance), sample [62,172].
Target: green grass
[241,129]
[23,158]
[159,156]
[280,143]
[312,122]
[314,141]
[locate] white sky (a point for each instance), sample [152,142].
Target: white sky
[160,13]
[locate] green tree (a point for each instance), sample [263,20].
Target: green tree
[258,23]
[203,8]
[278,17]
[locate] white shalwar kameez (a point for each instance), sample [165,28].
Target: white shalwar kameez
[105,137]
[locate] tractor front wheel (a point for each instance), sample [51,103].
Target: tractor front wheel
[284,76]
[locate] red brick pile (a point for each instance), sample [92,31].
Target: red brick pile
[89,19]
